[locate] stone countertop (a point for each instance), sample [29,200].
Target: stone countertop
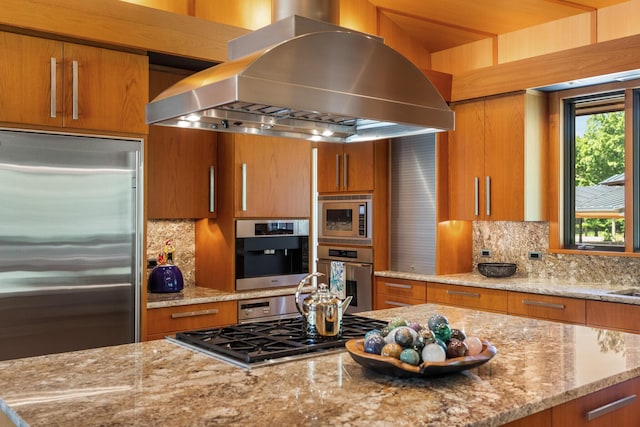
[539,364]
[593,291]
[200,295]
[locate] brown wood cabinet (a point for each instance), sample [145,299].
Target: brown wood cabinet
[467,296]
[170,320]
[496,159]
[270,177]
[181,164]
[616,405]
[345,167]
[390,293]
[571,310]
[53,83]
[611,315]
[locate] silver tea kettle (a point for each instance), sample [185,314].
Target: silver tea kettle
[322,310]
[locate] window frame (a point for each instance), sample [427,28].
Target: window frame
[557,165]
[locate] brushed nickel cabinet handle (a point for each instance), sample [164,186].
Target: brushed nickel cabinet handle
[463,293]
[610,407]
[476,199]
[543,304]
[488,194]
[337,171]
[397,285]
[54,88]
[397,304]
[75,90]
[194,313]
[345,170]
[244,187]
[212,186]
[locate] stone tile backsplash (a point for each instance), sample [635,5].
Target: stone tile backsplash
[184,237]
[512,242]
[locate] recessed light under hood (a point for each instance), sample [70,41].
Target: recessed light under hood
[323,82]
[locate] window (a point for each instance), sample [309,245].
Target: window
[594,137]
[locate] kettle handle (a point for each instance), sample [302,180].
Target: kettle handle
[299,289]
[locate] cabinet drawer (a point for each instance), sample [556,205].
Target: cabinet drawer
[393,301]
[547,307]
[402,288]
[617,405]
[613,315]
[169,320]
[467,296]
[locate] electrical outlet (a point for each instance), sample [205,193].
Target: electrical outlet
[485,253]
[535,255]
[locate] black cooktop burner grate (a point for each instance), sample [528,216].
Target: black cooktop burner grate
[259,341]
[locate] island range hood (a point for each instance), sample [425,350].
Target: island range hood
[304,78]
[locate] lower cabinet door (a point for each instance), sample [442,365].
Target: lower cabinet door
[467,296]
[614,406]
[549,307]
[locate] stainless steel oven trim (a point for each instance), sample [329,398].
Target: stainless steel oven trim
[268,282]
[246,227]
[269,308]
[344,200]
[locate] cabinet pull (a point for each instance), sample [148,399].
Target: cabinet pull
[610,407]
[53,87]
[344,170]
[194,313]
[476,199]
[244,187]
[212,186]
[543,304]
[337,171]
[74,110]
[398,285]
[488,194]
[463,293]
[397,304]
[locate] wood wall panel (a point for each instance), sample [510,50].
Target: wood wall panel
[359,15]
[398,39]
[250,14]
[619,20]
[575,31]
[470,56]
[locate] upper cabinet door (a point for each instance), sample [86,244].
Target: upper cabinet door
[181,164]
[345,167]
[272,177]
[497,159]
[466,162]
[105,89]
[31,83]
[51,83]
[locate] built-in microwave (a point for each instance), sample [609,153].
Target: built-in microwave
[345,219]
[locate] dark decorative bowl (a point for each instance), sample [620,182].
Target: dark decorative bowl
[496,269]
[391,366]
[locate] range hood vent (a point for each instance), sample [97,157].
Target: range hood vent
[302,78]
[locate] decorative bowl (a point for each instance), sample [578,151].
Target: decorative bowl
[497,269]
[392,366]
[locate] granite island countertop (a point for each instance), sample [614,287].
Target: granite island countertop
[521,283]
[594,291]
[539,364]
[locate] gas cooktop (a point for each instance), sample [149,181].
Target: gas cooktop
[260,343]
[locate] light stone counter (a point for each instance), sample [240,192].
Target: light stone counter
[200,295]
[564,288]
[539,364]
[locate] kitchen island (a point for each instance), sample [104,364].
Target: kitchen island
[539,365]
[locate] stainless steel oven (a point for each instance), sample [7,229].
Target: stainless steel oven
[271,253]
[357,264]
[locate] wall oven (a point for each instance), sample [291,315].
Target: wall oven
[345,219]
[271,253]
[357,265]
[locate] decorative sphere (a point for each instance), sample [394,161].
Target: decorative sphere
[374,344]
[433,353]
[410,356]
[392,350]
[474,345]
[435,319]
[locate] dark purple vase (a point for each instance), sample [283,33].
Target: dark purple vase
[165,278]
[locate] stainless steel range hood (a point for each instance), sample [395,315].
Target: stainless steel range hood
[309,79]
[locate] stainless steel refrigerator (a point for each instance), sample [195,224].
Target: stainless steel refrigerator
[70,242]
